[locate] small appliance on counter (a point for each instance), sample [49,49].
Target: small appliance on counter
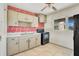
[44,36]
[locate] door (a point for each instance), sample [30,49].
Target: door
[76,35]
[12,45]
[3,29]
[23,43]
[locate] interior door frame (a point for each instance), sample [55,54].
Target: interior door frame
[3,29]
[0,44]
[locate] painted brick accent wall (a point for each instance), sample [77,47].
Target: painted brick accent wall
[41,25]
[21,29]
[21,11]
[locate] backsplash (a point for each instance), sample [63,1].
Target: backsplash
[21,29]
[25,29]
[41,25]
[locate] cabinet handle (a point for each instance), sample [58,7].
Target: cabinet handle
[27,40]
[16,42]
[0,38]
[36,39]
[13,39]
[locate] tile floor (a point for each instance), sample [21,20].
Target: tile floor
[47,50]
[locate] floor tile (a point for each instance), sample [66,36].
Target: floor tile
[47,50]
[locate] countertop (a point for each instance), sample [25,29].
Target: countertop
[22,34]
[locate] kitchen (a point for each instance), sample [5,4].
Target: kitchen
[23,25]
[26,28]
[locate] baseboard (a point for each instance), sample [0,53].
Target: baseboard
[61,46]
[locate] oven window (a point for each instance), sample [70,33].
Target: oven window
[46,36]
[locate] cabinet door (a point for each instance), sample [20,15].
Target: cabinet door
[12,18]
[21,16]
[29,17]
[23,44]
[32,43]
[38,39]
[38,42]
[35,21]
[12,46]
[24,17]
[42,18]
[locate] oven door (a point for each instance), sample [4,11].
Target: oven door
[44,37]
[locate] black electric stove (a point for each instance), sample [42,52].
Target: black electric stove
[44,36]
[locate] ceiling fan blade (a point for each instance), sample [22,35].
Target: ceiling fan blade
[44,8]
[54,8]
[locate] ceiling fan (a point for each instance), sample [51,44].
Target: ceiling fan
[50,5]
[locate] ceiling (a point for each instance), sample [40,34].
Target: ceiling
[36,7]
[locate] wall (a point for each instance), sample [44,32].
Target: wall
[41,25]
[3,29]
[65,38]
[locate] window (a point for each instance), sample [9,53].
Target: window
[59,24]
[70,23]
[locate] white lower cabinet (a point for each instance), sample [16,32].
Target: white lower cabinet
[12,46]
[38,42]
[23,43]
[32,43]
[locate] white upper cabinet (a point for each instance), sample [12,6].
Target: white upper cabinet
[12,18]
[25,17]
[42,18]
[29,17]
[21,16]
[35,21]
[17,19]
